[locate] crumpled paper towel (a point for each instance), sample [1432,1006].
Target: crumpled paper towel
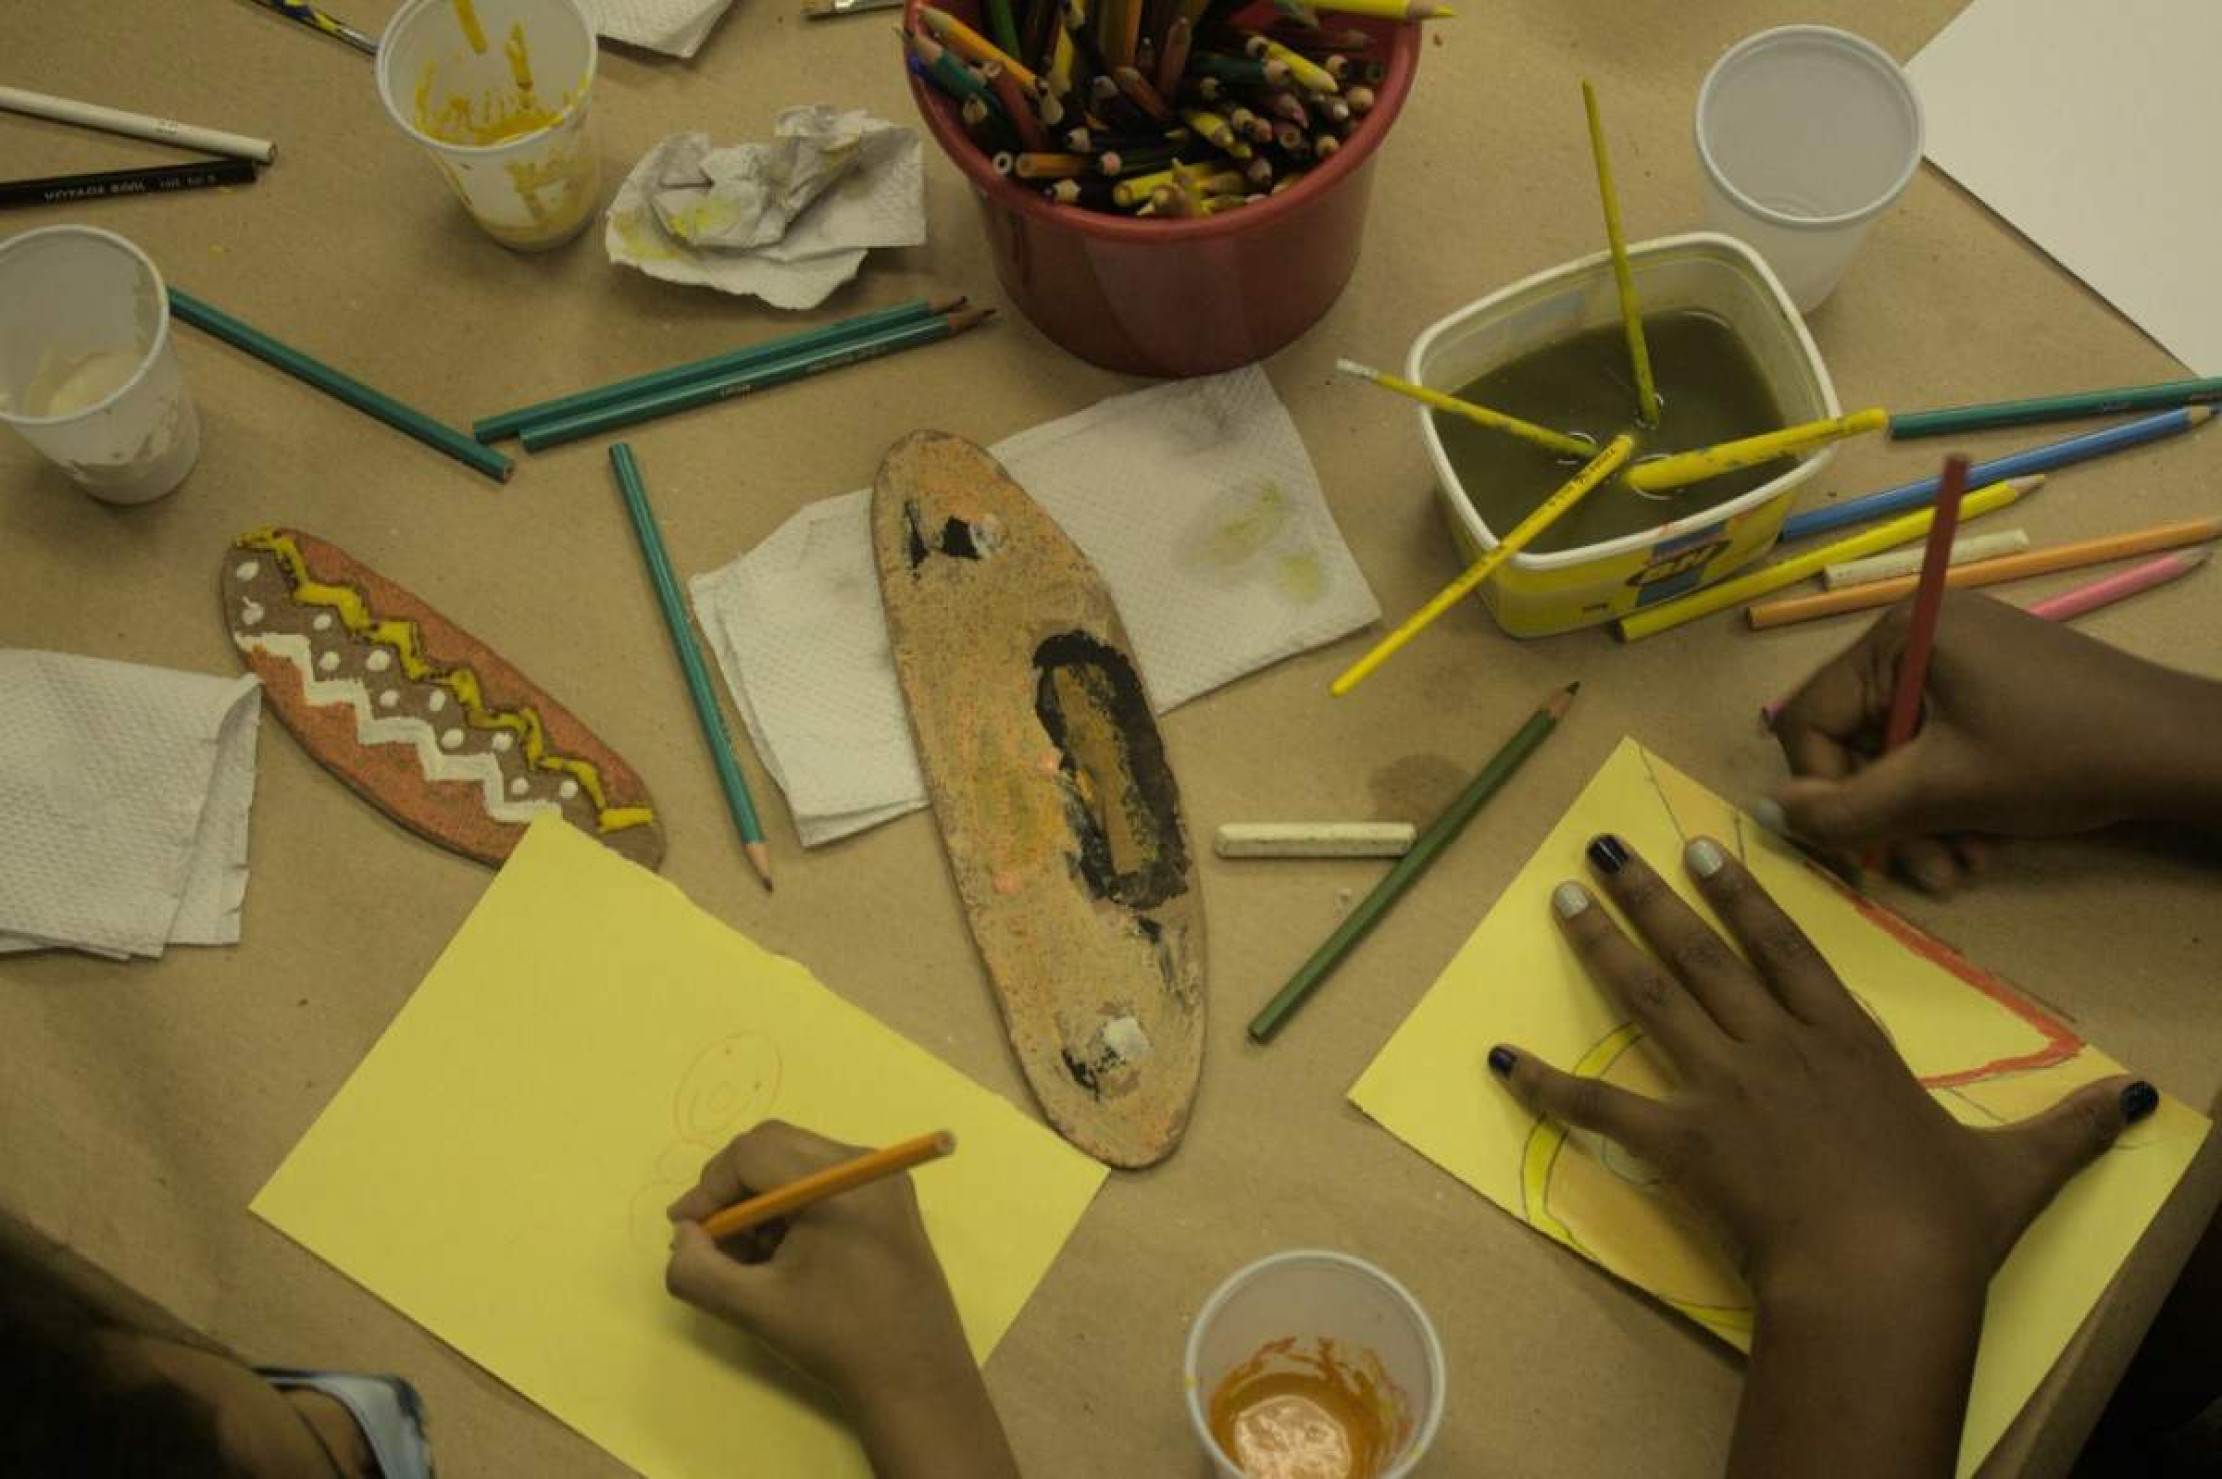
[1194,499]
[787,221]
[125,791]
[673,27]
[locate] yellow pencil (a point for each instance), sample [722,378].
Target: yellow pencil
[1683,468]
[1526,431]
[1302,70]
[1631,311]
[1548,512]
[1391,10]
[1902,530]
[972,46]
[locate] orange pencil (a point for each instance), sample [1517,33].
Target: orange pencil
[972,46]
[781,1201]
[1174,60]
[2043,561]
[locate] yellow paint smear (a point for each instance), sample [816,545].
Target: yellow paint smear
[466,16]
[492,117]
[524,722]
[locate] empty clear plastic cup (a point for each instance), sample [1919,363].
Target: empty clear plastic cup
[496,92]
[86,370]
[1806,135]
[1312,1361]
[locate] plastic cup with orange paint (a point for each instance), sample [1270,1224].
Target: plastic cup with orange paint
[1313,1364]
[496,92]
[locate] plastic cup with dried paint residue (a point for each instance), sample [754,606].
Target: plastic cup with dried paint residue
[87,374]
[496,92]
[1314,1365]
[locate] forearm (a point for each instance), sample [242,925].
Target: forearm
[2183,780]
[1853,1378]
[943,1427]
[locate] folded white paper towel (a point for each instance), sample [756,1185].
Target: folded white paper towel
[125,791]
[1194,499]
[673,27]
[787,221]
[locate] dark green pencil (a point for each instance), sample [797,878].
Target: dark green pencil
[1446,827]
[1952,420]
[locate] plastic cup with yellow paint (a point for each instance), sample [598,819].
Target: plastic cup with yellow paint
[496,92]
[1312,1361]
[87,374]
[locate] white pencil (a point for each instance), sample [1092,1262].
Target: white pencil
[1894,563]
[137,125]
[1315,839]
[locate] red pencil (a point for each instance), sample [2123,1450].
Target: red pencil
[1928,603]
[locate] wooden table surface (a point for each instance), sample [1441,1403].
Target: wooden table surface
[142,1105]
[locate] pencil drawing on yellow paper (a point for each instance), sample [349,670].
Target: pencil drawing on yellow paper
[1988,1053]
[497,1167]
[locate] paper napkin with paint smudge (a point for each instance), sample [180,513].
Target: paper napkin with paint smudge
[126,791]
[787,221]
[673,27]
[1197,502]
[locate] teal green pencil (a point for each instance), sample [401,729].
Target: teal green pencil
[737,799]
[210,319]
[1438,836]
[509,423]
[540,435]
[1952,420]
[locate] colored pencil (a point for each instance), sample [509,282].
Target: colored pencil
[137,125]
[1624,277]
[1653,620]
[2043,560]
[946,70]
[826,10]
[162,179]
[540,435]
[785,1201]
[435,434]
[1546,513]
[508,423]
[317,20]
[1954,419]
[2120,586]
[1302,70]
[1966,549]
[1928,605]
[1392,10]
[1526,431]
[735,785]
[974,47]
[1679,469]
[1003,27]
[2042,458]
[1018,107]
[1439,835]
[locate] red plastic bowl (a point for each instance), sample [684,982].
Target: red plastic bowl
[1179,297]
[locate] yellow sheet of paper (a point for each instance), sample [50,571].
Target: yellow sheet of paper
[497,1167]
[1988,1054]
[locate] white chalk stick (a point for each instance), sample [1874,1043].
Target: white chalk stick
[1891,564]
[137,125]
[1316,839]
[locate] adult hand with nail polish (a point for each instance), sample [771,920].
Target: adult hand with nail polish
[2029,728]
[850,1291]
[1866,1220]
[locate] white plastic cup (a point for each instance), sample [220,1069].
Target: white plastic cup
[1310,1295]
[1806,135]
[86,370]
[532,191]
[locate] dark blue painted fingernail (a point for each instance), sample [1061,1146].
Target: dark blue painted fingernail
[1501,1060]
[2138,1100]
[1607,853]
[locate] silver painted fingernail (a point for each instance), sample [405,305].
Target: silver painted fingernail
[1569,899]
[1767,812]
[1705,857]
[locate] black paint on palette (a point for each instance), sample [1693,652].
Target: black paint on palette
[1121,800]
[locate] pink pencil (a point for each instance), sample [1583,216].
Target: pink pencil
[2106,590]
[2084,599]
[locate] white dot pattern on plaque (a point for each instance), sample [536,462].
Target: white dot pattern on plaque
[503,739]
[327,662]
[323,622]
[250,613]
[451,739]
[379,660]
[436,702]
[388,699]
[246,569]
[568,790]
[518,786]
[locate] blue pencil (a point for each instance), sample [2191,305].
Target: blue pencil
[2030,459]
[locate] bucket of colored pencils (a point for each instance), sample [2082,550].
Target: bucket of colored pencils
[1200,205]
